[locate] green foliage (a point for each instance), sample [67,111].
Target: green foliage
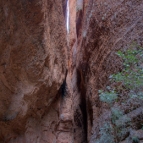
[135,139]
[137,94]
[116,114]
[124,120]
[131,81]
[131,76]
[108,97]
[106,134]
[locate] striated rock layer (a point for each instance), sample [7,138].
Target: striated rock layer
[108,26]
[49,78]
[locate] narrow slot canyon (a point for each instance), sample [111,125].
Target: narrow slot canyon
[57,61]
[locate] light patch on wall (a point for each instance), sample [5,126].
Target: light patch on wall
[79,5]
[67,18]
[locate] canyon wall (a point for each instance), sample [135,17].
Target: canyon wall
[32,68]
[108,26]
[49,78]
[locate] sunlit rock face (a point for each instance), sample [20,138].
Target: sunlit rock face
[49,78]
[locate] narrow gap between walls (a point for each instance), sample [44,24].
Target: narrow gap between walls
[80,83]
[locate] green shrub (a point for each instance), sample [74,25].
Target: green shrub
[108,97]
[135,139]
[131,75]
[130,80]
[106,134]
[116,114]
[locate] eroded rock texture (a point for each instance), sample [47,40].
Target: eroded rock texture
[32,68]
[109,26]
[49,79]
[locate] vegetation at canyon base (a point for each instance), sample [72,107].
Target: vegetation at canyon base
[128,82]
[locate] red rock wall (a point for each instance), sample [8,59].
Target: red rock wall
[49,80]
[108,26]
[32,68]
